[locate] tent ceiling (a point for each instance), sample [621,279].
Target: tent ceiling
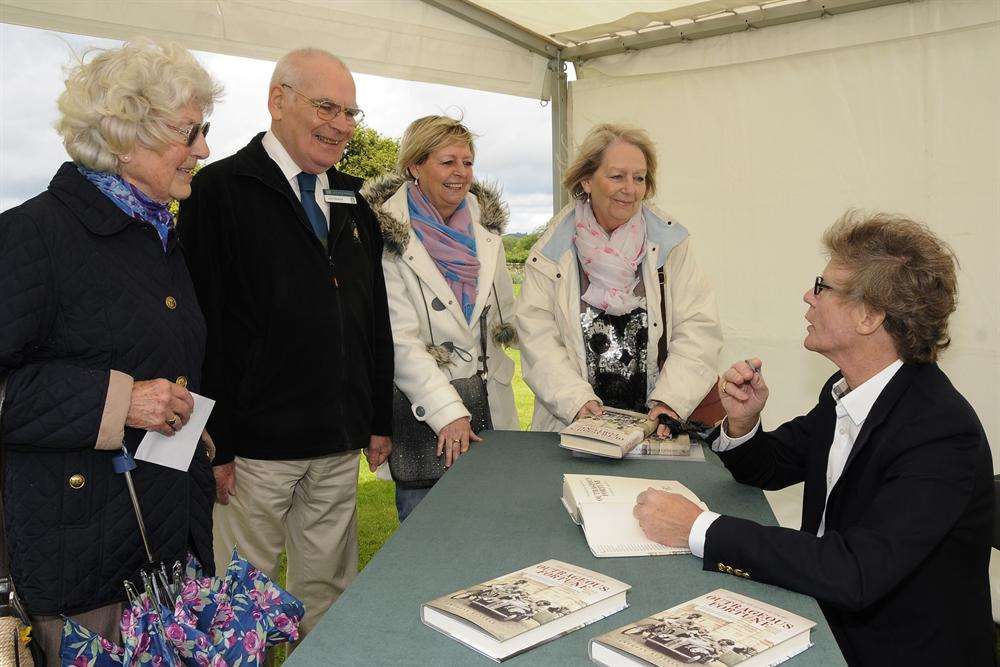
[404,39]
[591,19]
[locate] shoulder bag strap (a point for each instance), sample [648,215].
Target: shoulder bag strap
[427,312]
[661,347]
[4,558]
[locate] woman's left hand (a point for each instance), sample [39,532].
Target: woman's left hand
[454,439]
[662,409]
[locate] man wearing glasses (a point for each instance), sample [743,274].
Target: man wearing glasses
[286,260]
[898,505]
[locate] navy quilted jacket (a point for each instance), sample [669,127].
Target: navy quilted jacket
[83,290]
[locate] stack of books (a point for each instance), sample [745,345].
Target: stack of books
[623,434]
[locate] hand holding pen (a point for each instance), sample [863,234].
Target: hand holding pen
[743,393]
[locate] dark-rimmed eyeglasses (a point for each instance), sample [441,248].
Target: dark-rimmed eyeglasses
[327,110]
[190,132]
[821,285]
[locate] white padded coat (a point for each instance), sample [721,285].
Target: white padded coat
[551,337]
[409,268]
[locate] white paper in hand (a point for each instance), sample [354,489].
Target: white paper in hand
[177,450]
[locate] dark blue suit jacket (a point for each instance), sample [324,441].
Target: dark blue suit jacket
[901,570]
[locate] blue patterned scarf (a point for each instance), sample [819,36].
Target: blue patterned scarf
[451,245]
[132,201]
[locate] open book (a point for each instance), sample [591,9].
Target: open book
[719,629]
[518,611]
[602,506]
[614,434]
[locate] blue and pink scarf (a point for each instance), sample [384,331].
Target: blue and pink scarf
[452,245]
[132,201]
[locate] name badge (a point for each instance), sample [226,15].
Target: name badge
[339,196]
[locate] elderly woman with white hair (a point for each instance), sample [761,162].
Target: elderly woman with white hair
[101,340]
[614,310]
[451,302]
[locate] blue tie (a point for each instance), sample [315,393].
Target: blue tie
[307,190]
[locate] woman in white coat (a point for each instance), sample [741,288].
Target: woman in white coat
[590,317]
[444,266]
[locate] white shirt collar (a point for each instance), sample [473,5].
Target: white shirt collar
[276,151]
[858,403]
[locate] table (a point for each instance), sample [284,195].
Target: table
[499,510]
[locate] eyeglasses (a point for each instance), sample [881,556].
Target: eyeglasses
[190,132]
[327,110]
[821,285]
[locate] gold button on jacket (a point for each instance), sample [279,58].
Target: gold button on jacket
[77,481]
[171,302]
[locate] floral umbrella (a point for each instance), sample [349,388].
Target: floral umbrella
[214,622]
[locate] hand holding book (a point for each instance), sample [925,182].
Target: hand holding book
[662,409]
[665,517]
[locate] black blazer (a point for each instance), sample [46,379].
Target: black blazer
[901,570]
[299,356]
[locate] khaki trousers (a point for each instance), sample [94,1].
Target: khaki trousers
[47,630]
[306,507]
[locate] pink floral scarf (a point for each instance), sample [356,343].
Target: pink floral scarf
[610,261]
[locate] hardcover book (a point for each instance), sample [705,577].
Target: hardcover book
[719,629]
[614,434]
[518,611]
[602,506]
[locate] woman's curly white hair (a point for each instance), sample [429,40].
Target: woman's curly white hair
[119,97]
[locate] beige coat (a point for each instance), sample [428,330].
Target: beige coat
[551,338]
[408,267]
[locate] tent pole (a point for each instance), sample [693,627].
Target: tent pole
[560,134]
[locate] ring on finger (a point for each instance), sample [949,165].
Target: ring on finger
[724,383]
[172,421]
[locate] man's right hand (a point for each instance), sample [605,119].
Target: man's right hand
[743,393]
[225,482]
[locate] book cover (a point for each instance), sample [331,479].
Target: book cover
[613,434]
[718,629]
[519,602]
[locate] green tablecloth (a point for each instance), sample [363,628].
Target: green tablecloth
[499,510]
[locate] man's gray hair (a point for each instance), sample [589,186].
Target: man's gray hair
[289,68]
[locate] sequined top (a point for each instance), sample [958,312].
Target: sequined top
[616,356]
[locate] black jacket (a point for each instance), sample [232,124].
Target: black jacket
[901,569]
[299,355]
[84,291]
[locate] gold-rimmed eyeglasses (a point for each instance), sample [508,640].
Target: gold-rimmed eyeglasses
[327,110]
[190,132]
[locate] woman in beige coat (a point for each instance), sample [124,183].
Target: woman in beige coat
[444,267]
[589,315]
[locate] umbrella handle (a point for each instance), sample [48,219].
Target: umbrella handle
[138,517]
[124,463]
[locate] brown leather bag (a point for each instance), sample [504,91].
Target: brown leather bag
[710,410]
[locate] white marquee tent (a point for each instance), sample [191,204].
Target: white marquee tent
[771,119]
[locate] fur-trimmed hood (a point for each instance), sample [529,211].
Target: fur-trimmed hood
[396,232]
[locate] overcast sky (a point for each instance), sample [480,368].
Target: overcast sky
[513,148]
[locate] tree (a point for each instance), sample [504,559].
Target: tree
[518,247]
[369,154]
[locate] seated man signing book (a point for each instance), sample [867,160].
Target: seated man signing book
[898,505]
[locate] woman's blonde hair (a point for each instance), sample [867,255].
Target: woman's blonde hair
[591,153]
[124,96]
[426,135]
